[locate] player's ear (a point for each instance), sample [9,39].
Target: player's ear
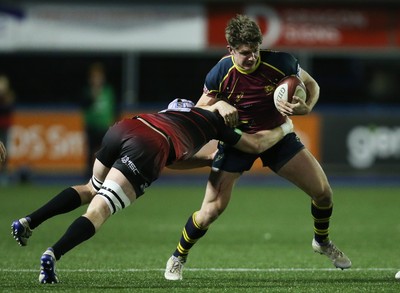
[230,49]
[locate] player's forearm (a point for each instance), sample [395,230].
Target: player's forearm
[197,161]
[270,137]
[313,94]
[205,101]
[312,89]
[260,141]
[265,139]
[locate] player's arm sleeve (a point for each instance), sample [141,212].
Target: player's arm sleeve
[215,77]
[285,62]
[203,158]
[197,161]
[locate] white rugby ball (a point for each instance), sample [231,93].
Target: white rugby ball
[288,87]
[397,276]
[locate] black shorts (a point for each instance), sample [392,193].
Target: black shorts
[232,160]
[136,150]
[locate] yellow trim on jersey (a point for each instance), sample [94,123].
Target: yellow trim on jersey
[269,65]
[246,71]
[232,90]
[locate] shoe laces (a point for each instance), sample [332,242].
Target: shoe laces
[177,265]
[333,251]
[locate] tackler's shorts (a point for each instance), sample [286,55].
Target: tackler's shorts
[232,160]
[136,150]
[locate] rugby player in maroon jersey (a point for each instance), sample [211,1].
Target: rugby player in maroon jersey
[246,79]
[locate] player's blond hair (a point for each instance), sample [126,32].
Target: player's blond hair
[242,30]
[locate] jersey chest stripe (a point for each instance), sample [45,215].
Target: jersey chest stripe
[225,77]
[273,67]
[233,89]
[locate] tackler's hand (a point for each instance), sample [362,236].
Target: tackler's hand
[228,112]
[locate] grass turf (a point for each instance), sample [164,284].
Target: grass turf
[262,243]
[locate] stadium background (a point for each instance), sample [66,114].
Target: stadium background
[154,52]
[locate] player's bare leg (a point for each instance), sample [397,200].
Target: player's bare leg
[305,172]
[218,193]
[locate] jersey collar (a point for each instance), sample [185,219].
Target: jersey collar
[241,70]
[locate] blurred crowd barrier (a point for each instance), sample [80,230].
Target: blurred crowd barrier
[53,142]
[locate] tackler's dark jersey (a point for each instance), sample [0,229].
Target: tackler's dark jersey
[251,92]
[189,129]
[141,147]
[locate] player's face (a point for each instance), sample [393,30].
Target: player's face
[245,56]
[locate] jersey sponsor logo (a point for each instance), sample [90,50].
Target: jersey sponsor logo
[127,161]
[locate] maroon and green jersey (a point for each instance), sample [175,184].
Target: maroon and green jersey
[251,92]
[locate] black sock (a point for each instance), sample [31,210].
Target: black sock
[322,216]
[191,233]
[80,230]
[66,201]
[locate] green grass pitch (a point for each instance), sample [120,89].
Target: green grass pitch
[262,243]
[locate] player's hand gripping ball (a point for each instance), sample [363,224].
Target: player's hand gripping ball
[288,87]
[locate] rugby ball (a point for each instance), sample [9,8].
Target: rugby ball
[288,87]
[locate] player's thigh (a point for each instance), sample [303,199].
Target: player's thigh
[100,171]
[88,191]
[218,193]
[119,178]
[219,188]
[305,172]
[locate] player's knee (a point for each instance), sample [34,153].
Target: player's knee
[95,184]
[90,190]
[323,196]
[114,196]
[210,214]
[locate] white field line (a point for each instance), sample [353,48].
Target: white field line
[271,270]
